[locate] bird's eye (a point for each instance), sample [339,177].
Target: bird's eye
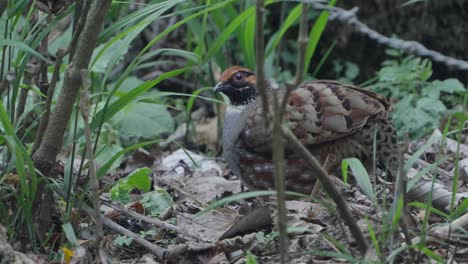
[238,77]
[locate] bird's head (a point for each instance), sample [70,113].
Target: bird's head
[238,83]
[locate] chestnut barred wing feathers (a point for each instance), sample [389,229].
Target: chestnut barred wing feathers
[319,112]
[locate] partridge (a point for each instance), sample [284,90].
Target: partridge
[326,116]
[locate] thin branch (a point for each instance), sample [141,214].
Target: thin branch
[400,191]
[277,141]
[155,249]
[81,13]
[85,103]
[411,47]
[260,57]
[278,173]
[156,222]
[329,188]
[302,41]
[32,70]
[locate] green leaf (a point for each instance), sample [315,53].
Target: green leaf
[128,85]
[431,254]
[139,179]
[450,85]
[250,259]
[107,112]
[423,172]
[70,234]
[288,22]
[315,35]
[157,201]
[431,105]
[106,54]
[249,42]
[143,120]
[106,152]
[109,162]
[21,46]
[361,176]
[123,241]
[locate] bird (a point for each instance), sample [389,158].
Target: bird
[328,117]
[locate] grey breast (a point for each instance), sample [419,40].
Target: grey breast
[234,122]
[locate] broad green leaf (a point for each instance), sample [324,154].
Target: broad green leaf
[139,179]
[106,153]
[450,85]
[107,112]
[143,120]
[70,234]
[431,105]
[157,201]
[123,241]
[250,259]
[100,64]
[249,42]
[361,176]
[109,162]
[128,85]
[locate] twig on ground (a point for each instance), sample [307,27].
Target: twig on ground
[459,224]
[155,221]
[329,188]
[423,163]
[155,249]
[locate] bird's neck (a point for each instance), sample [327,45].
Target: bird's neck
[243,96]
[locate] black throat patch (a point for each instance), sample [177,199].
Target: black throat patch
[242,95]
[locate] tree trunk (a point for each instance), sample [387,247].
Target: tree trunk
[45,157]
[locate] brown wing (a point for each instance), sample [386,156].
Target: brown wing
[319,112]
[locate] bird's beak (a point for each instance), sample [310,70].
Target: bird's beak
[220,87]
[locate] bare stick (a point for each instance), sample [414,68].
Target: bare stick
[85,103]
[157,250]
[157,222]
[278,172]
[260,57]
[329,187]
[277,142]
[302,41]
[424,163]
